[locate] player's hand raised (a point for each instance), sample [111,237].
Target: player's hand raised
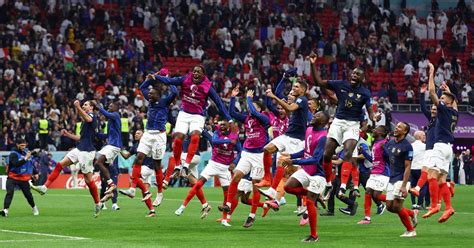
[269,93]
[150,77]
[377,116]
[431,68]
[235,91]
[77,103]
[250,93]
[423,88]
[313,58]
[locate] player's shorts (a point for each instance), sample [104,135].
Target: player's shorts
[285,143]
[146,174]
[251,162]
[426,158]
[377,182]
[342,130]
[393,190]
[219,170]
[189,122]
[314,184]
[110,153]
[245,186]
[83,159]
[153,144]
[440,157]
[193,166]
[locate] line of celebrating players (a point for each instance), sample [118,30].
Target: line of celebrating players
[303,147]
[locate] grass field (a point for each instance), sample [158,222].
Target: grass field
[66,220]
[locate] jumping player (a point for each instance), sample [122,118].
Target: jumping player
[83,155]
[352,96]
[446,120]
[196,88]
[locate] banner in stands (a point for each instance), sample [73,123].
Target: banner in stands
[464,129]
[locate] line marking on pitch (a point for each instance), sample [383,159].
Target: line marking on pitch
[60,237]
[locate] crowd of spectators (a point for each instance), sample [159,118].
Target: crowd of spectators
[52,52]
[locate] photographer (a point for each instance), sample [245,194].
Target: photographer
[20,170]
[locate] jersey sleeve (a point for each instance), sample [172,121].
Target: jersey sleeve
[409,152]
[334,84]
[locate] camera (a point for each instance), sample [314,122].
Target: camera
[35,152]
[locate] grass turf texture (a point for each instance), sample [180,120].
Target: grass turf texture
[69,213]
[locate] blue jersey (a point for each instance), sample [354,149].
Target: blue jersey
[298,120]
[362,168]
[88,131]
[350,100]
[446,121]
[158,111]
[397,153]
[114,128]
[430,129]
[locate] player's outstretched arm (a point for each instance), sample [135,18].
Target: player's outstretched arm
[315,73]
[232,111]
[220,105]
[168,81]
[172,95]
[431,85]
[288,107]
[84,116]
[423,103]
[261,117]
[70,135]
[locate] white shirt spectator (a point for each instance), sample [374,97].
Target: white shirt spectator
[422,65]
[464,96]
[228,44]
[439,77]
[199,53]
[418,153]
[439,31]
[288,37]
[299,64]
[431,29]
[408,69]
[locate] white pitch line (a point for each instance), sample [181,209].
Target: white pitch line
[34,240]
[45,234]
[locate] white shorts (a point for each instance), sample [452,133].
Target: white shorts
[426,158]
[146,174]
[251,162]
[377,182]
[193,166]
[83,159]
[219,170]
[153,144]
[188,123]
[245,186]
[314,184]
[393,190]
[110,153]
[288,144]
[342,130]
[440,158]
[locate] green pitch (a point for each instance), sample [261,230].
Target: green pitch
[66,220]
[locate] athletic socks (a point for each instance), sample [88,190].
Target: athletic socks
[355,176]
[192,148]
[434,189]
[327,167]
[177,149]
[446,194]
[313,217]
[136,171]
[421,182]
[170,169]
[93,191]
[255,200]
[367,205]
[192,192]
[232,191]
[382,197]
[345,173]
[280,172]
[299,191]
[54,175]
[159,179]
[267,165]
[404,215]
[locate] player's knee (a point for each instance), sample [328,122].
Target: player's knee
[287,189]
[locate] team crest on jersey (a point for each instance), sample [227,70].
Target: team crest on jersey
[351,94]
[194,89]
[358,95]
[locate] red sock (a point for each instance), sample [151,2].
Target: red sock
[225,197]
[345,172]
[159,179]
[367,204]
[148,203]
[313,216]
[170,169]
[177,149]
[235,202]
[405,218]
[57,170]
[410,212]
[255,200]
[446,194]
[192,148]
[328,171]
[355,175]
[267,165]
[231,192]
[280,172]
[434,188]
[93,191]
[200,195]
[192,192]
[423,178]
[382,197]
[136,171]
[440,195]
[299,191]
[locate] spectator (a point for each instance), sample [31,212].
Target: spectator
[468,168]
[408,71]
[409,93]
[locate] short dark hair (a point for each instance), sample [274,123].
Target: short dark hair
[302,83]
[450,95]
[20,141]
[408,127]
[260,105]
[202,68]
